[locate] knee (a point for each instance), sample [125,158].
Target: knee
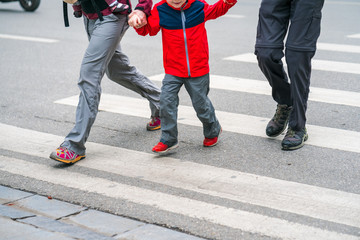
[112,72]
[167,100]
[119,69]
[268,55]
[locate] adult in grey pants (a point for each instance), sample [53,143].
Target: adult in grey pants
[300,20]
[103,55]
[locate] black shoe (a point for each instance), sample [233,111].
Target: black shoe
[278,123]
[294,139]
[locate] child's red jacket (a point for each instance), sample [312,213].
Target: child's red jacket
[185,44]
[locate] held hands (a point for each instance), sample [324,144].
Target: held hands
[137,19]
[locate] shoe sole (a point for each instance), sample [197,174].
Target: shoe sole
[212,144]
[298,146]
[153,128]
[67,161]
[168,149]
[216,141]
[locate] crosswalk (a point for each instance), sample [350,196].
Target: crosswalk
[26,38]
[249,190]
[238,123]
[354,35]
[327,206]
[317,64]
[305,200]
[319,203]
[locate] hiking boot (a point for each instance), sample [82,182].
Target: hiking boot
[65,155]
[279,122]
[294,139]
[163,148]
[210,142]
[154,124]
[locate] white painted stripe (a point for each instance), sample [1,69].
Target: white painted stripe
[338,47]
[343,3]
[239,123]
[321,203]
[324,65]
[262,87]
[354,36]
[229,217]
[233,16]
[24,38]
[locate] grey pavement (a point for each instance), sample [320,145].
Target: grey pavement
[25,215]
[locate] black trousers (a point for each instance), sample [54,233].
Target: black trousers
[299,20]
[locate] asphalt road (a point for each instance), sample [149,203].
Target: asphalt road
[35,73]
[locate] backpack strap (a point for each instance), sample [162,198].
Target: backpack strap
[65,12]
[96,7]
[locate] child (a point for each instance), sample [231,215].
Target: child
[186,61]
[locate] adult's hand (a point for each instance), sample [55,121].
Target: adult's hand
[137,19]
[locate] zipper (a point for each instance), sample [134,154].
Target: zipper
[183,20]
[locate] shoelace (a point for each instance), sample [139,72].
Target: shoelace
[290,133]
[66,151]
[280,113]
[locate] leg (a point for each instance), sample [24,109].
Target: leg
[300,48]
[120,71]
[272,27]
[104,37]
[271,65]
[169,102]
[198,89]
[299,67]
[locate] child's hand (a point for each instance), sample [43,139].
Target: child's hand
[137,19]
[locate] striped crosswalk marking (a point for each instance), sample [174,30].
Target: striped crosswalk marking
[343,2]
[239,123]
[233,16]
[25,38]
[354,36]
[326,204]
[262,87]
[338,47]
[324,65]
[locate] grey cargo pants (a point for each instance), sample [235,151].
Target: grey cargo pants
[198,89]
[104,55]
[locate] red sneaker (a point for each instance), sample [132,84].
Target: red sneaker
[154,124]
[163,148]
[210,142]
[65,155]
